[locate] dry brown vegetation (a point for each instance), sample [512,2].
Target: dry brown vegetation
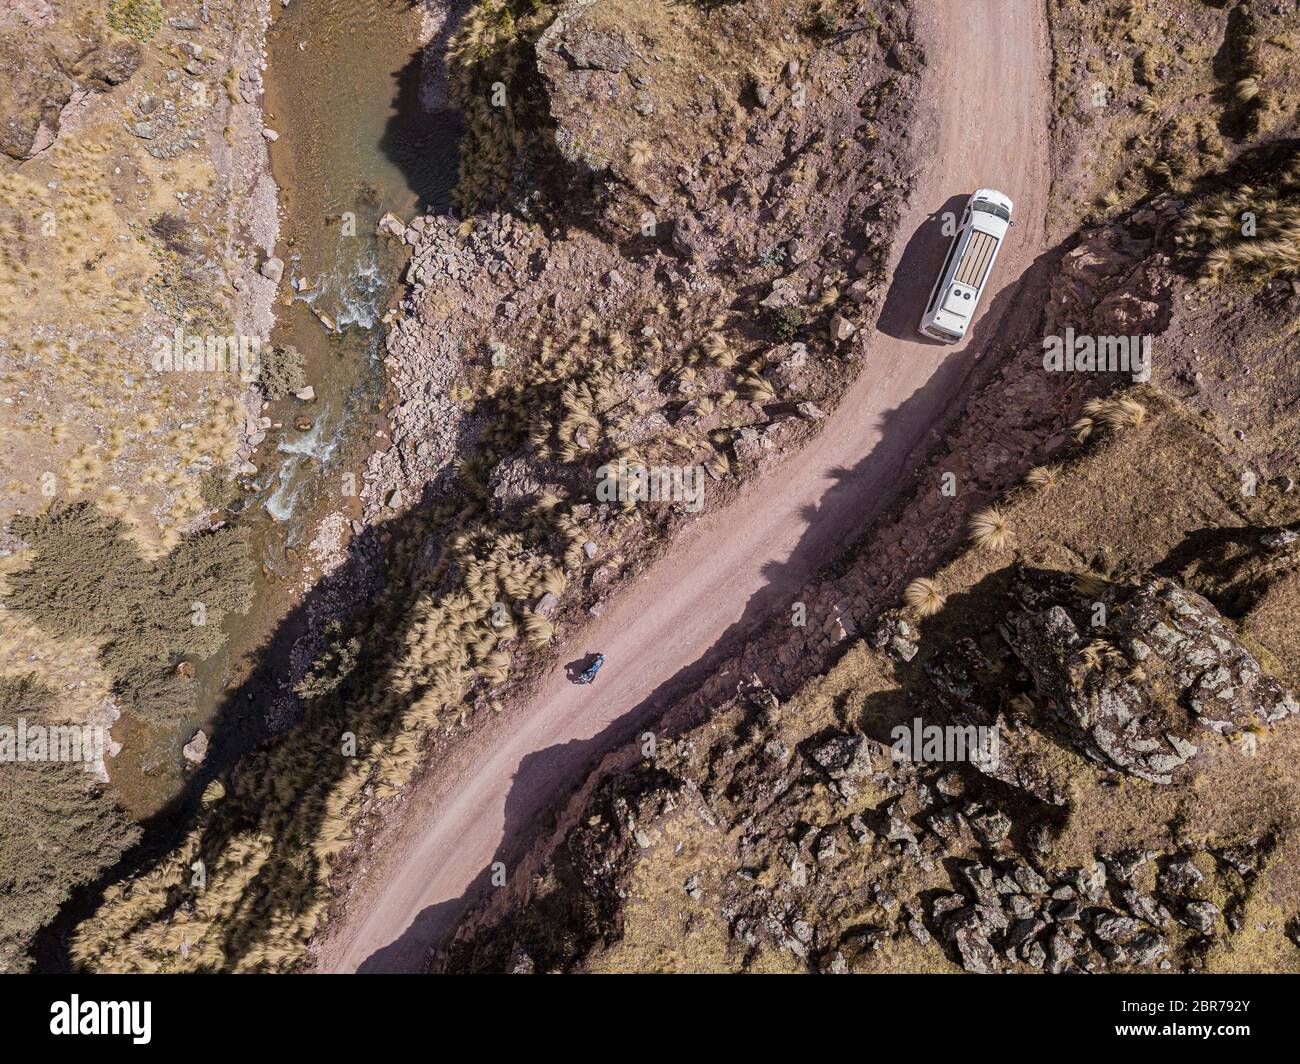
[56,831]
[923,595]
[1250,224]
[990,530]
[1149,483]
[1163,91]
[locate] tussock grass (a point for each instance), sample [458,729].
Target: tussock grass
[1043,477]
[1214,236]
[1092,585]
[923,596]
[494,46]
[989,529]
[1113,414]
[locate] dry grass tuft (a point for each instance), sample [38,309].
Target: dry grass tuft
[989,529]
[1250,228]
[1091,585]
[1045,477]
[923,596]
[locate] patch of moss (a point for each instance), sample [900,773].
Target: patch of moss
[786,322]
[281,372]
[88,580]
[138,19]
[55,832]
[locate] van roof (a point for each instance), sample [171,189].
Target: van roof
[975,260]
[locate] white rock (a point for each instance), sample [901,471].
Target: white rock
[197,748]
[392,225]
[859,291]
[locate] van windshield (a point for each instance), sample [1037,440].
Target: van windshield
[992,208]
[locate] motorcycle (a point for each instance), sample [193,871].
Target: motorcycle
[589,673]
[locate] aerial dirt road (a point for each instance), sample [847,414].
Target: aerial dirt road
[985,104]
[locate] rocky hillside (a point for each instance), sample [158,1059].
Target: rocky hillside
[606,293]
[134,210]
[1070,746]
[1161,91]
[55,55]
[798,833]
[637,200]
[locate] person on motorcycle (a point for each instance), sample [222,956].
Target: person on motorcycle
[589,673]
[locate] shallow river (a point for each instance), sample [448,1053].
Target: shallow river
[343,93]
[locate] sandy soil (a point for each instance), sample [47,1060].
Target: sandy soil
[987,103]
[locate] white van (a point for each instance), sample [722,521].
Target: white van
[980,233]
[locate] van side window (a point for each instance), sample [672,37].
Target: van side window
[952,248]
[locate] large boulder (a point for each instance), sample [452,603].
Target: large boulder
[45,66]
[1144,690]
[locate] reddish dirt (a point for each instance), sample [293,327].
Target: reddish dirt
[987,95]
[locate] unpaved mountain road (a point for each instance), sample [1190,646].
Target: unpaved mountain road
[985,109]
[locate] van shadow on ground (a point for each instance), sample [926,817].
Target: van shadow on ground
[915,275]
[859,495]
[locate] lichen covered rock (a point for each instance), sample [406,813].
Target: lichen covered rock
[1139,691]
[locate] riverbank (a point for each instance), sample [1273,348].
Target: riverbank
[136,207]
[648,347]
[197,244]
[151,766]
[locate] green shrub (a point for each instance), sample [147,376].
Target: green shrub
[335,663]
[281,372]
[56,833]
[215,490]
[140,19]
[786,322]
[88,580]
[826,22]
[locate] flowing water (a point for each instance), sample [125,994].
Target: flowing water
[343,92]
